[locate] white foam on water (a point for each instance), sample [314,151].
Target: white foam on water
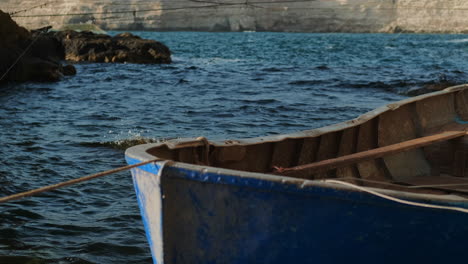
[457,40]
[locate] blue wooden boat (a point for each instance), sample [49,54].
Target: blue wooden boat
[343,193]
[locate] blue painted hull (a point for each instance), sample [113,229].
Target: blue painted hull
[194,214]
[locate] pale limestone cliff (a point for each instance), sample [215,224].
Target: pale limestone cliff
[435,16]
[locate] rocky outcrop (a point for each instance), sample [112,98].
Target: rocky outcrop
[28,57]
[37,55]
[125,47]
[394,16]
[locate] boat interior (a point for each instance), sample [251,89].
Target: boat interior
[432,128]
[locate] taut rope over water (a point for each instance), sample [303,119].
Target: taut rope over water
[71,182]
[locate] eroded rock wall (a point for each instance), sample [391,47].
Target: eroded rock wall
[435,16]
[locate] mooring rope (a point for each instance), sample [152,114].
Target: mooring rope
[71,182]
[398,200]
[109,172]
[408,186]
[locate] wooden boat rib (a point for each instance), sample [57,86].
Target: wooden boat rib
[207,195]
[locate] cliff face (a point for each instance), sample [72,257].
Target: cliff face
[434,16]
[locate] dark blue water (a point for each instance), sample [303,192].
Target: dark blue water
[221,85]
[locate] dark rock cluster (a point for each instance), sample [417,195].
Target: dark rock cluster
[25,57]
[37,55]
[125,47]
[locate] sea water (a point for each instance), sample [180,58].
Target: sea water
[220,85]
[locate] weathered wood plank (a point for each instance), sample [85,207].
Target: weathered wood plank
[460,163]
[348,146]
[284,153]
[395,127]
[327,149]
[368,139]
[186,155]
[435,112]
[309,151]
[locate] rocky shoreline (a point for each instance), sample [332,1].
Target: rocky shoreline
[38,55]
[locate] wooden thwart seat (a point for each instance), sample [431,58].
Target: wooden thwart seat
[329,164]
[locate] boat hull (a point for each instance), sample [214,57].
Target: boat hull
[195,214]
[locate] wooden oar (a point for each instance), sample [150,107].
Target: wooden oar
[329,164]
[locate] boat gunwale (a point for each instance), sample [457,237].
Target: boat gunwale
[141,152]
[439,199]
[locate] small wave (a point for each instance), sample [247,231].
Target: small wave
[102,117]
[217,60]
[306,82]
[26,214]
[260,101]
[284,108]
[431,86]
[123,144]
[33,148]
[98,70]
[388,86]
[214,60]
[224,115]
[43,89]
[331,112]
[290,124]
[272,69]
[257,79]
[248,92]
[108,248]
[36,260]
[169,67]
[200,112]
[322,67]
[26,143]
[181,81]
[22,259]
